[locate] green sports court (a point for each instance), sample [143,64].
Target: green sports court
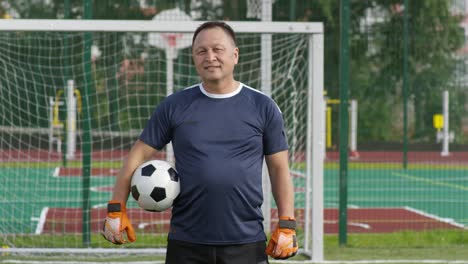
[382,198]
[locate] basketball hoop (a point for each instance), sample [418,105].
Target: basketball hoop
[171,40]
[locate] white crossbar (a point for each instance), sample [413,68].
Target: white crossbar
[152,26]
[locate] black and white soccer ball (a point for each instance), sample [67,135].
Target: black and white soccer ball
[155,185]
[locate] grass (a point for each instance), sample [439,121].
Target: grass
[408,245]
[450,245]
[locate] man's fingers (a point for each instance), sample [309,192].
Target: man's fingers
[123,235]
[283,242]
[118,240]
[117,227]
[109,237]
[285,254]
[285,247]
[118,237]
[270,248]
[111,234]
[131,233]
[277,252]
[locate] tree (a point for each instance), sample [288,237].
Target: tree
[376,46]
[435,35]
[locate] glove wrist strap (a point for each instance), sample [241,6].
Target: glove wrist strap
[114,207]
[289,224]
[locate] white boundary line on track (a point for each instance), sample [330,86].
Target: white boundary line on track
[296,173]
[56,172]
[41,220]
[449,221]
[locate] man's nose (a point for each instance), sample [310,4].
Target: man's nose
[210,55]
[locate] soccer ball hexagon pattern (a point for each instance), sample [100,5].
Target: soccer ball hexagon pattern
[155,185]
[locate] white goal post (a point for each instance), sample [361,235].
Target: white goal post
[303,109]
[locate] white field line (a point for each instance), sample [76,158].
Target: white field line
[449,221]
[145,224]
[431,182]
[298,174]
[56,172]
[101,205]
[41,220]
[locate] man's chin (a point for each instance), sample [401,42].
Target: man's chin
[212,78]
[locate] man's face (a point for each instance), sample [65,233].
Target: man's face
[214,55]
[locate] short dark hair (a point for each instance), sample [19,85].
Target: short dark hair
[214,24]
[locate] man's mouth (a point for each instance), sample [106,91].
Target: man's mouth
[211,67]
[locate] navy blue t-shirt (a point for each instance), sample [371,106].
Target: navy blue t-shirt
[219,143]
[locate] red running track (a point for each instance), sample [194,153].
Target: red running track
[360,220]
[333,156]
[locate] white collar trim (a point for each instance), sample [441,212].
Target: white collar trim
[221,96]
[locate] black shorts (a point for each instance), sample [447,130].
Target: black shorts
[181,252]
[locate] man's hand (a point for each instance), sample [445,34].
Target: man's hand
[283,242]
[117,224]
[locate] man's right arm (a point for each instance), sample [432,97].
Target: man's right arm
[117,225]
[139,153]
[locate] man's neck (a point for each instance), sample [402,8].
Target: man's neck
[220,87]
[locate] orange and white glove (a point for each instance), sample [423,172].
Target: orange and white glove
[117,224]
[283,242]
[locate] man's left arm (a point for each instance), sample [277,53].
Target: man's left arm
[283,242]
[281,183]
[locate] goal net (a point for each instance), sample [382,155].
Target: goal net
[75,95]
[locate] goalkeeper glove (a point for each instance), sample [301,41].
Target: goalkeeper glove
[283,241]
[117,224]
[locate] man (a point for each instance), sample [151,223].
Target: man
[221,131]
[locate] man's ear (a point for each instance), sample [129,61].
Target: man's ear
[236,55]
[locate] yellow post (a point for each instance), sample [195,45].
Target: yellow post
[78,100]
[333,101]
[329,121]
[56,119]
[438,121]
[329,127]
